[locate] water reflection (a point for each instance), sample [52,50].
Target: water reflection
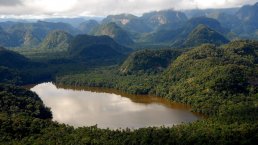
[110,110]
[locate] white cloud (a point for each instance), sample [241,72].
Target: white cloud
[106,7]
[51,5]
[9,2]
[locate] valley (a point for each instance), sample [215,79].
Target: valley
[165,77]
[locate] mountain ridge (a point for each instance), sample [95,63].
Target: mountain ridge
[114,31]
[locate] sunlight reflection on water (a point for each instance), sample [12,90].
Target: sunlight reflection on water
[109,110]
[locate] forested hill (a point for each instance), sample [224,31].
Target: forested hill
[218,81]
[11,59]
[179,33]
[87,47]
[114,31]
[206,75]
[199,60]
[163,26]
[200,35]
[149,61]
[30,35]
[56,40]
[202,77]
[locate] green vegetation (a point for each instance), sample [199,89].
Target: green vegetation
[210,77]
[247,25]
[25,120]
[54,46]
[207,77]
[182,32]
[210,22]
[219,81]
[17,69]
[56,41]
[19,101]
[149,61]
[156,19]
[87,26]
[9,76]
[101,48]
[128,22]
[12,59]
[110,78]
[163,27]
[61,47]
[30,35]
[114,31]
[20,129]
[201,35]
[27,130]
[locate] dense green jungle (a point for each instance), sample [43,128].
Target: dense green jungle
[203,61]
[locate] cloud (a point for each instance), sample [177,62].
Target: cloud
[9,2]
[106,7]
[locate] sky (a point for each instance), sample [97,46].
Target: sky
[75,8]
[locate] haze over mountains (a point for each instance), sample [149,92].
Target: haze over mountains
[113,38]
[166,26]
[206,59]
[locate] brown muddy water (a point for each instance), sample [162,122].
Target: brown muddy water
[78,106]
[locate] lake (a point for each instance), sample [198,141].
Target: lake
[110,109]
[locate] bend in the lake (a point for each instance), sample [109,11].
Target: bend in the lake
[110,109]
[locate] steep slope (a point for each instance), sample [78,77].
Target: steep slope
[202,34]
[229,21]
[87,26]
[149,61]
[181,33]
[17,69]
[212,78]
[114,31]
[11,59]
[121,19]
[148,22]
[31,34]
[249,14]
[248,25]
[4,38]
[88,48]
[162,36]
[210,22]
[128,22]
[158,18]
[56,40]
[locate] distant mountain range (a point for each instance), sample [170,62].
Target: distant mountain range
[87,26]
[57,40]
[202,34]
[167,27]
[86,47]
[30,34]
[114,31]
[83,47]
[149,22]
